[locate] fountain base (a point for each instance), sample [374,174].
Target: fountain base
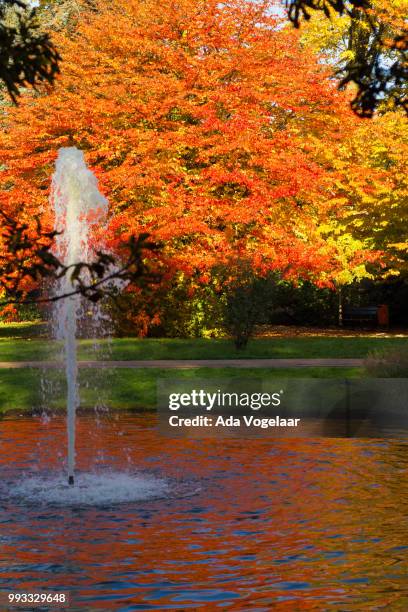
[106,488]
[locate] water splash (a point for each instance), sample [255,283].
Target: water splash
[107,488]
[79,208]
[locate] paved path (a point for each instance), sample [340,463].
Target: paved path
[183,364]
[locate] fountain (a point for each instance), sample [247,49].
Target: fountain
[81,216]
[79,207]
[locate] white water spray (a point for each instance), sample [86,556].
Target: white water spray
[78,207]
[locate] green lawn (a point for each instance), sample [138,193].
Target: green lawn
[22,345]
[22,389]
[30,389]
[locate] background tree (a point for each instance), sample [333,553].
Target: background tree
[377,188]
[196,133]
[200,138]
[375,36]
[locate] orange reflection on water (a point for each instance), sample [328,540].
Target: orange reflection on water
[249,524]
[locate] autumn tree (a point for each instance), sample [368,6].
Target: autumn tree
[208,126]
[373,166]
[377,190]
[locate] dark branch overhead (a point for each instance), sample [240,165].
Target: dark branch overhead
[28,257]
[380,67]
[27,55]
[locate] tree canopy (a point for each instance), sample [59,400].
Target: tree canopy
[216,129]
[195,131]
[377,41]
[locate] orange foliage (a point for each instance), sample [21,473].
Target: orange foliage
[207,125]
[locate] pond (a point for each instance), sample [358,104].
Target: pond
[178,524]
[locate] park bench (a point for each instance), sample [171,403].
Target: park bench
[363,315]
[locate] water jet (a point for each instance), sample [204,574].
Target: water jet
[79,207]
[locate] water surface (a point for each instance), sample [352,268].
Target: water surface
[221,525]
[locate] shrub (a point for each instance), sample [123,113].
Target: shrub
[188,311]
[388,364]
[249,300]
[182,310]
